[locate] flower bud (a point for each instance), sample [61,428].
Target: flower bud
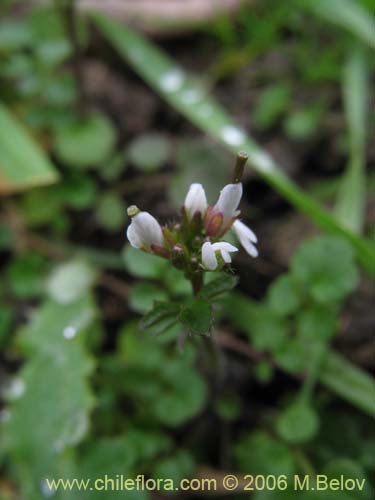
[195,201]
[144,230]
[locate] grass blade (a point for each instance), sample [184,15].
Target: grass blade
[22,163]
[348,14]
[190,99]
[350,206]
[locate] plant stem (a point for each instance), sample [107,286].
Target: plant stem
[196,282]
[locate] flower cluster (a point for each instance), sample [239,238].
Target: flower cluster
[195,244]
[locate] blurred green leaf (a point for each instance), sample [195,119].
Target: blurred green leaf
[87,143]
[142,264]
[349,468]
[228,407]
[317,323]
[70,281]
[14,34]
[351,199]
[285,296]
[55,401]
[303,123]
[253,454]
[111,212]
[189,98]
[23,163]
[26,275]
[149,152]
[326,265]
[266,329]
[143,295]
[271,104]
[178,466]
[6,319]
[298,423]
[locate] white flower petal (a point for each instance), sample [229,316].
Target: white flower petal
[133,237]
[229,199]
[196,200]
[224,245]
[209,259]
[145,231]
[243,231]
[250,248]
[226,256]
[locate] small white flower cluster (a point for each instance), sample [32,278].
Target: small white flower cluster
[197,240]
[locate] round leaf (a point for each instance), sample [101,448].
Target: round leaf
[86,143]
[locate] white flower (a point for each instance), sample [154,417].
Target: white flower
[144,230]
[209,250]
[229,199]
[246,237]
[195,200]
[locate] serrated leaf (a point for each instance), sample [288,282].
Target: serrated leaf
[218,287]
[23,164]
[197,316]
[161,317]
[56,399]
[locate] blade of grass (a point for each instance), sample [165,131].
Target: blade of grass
[190,99]
[23,164]
[348,14]
[351,200]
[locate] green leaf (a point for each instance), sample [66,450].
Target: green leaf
[317,323]
[326,266]
[303,123]
[194,102]
[298,423]
[55,401]
[111,212]
[23,163]
[70,281]
[351,201]
[271,104]
[285,296]
[116,456]
[266,329]
[26,275]
[178,466]
[161,317]
[143,265]
[218,286]
[349,14]
[259,453]
[349,468]
[149,152]
[87,143]
[228,407]
[143,295]
[197,316]
[349,381]
[14,35]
